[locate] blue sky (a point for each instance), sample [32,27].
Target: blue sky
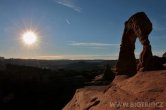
[75,29]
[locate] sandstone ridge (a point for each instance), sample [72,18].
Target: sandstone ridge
[148,87]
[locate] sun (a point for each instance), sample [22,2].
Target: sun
[29,37]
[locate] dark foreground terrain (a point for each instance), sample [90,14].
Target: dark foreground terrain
[46,85]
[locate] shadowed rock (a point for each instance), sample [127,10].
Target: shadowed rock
[105,78]
[108,74]
[164,55]
[157,63]
[139,26]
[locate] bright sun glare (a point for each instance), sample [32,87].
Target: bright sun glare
[29,37]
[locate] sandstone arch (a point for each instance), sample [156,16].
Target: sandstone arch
[137,26]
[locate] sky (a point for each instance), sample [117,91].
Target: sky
[75,29]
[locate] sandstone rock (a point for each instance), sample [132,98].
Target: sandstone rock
[139,26]
[158,63]
[108,74]
[164,55]
[143,87]
[105,78]
[145,59]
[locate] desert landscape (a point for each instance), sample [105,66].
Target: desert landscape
[44,87]
[74,86]
[138,86]
[82,55]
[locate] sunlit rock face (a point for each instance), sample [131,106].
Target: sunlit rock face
[137,26]
[145,87]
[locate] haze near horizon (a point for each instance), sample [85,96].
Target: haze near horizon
[74,29]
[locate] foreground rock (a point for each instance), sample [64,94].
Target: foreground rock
[146,88]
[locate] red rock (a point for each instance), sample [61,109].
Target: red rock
[143,87]
[139,26]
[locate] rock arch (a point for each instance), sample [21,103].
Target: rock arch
[137,26]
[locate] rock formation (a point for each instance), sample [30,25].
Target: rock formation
[158,63]
[148,87]
[139,26]
[108,74]
[105,78]
[164,55]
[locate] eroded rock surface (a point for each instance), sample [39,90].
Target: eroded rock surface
[146,86]
[139,26]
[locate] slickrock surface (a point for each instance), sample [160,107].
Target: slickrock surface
[146,88]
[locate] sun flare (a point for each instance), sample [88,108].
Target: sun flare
[29,37]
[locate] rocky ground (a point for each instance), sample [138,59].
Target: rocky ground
[143,91]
